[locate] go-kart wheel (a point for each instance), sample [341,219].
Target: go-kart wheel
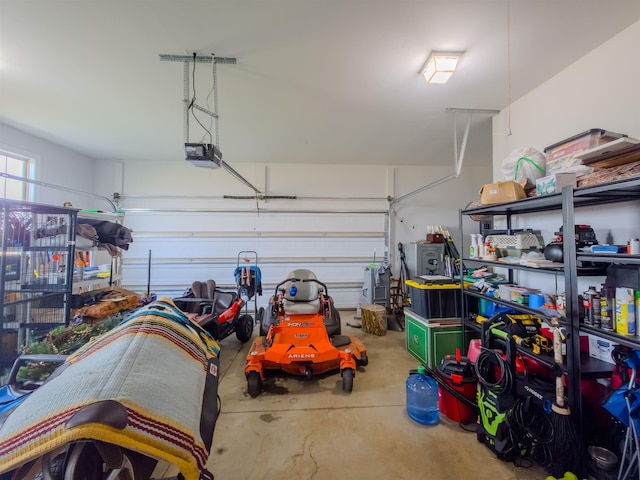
[254,384]
[260,315]
[244,328]
[364,360]
[347,380]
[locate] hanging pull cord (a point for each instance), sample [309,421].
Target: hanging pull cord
[193,84]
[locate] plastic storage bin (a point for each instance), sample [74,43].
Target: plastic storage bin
[560,155]
[422,397]
[487,308]
[435,299]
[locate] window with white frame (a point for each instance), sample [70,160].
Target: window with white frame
[16,166]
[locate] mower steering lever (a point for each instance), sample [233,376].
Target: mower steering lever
[293,279]
[315,280]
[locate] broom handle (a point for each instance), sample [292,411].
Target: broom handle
[557,357]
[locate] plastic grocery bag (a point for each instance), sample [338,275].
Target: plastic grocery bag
[524,163]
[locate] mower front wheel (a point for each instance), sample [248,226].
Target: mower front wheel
[244,328]
[254,384]
[347,380]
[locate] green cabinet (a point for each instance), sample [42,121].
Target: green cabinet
[430,340]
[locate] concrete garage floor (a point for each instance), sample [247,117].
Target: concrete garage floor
[299,429]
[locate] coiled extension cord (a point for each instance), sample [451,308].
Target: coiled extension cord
[486,364]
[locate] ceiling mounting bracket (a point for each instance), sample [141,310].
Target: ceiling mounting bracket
[458,157]
[195,58]
[198,59]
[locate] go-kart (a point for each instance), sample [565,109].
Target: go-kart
[297,341]
[219,312]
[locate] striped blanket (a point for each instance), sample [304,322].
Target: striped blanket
[159,366]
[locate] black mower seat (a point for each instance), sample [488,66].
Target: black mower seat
[301,298]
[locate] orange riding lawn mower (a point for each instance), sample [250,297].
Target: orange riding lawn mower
[301,335]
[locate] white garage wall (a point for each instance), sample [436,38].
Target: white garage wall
[53,164]
[598,91]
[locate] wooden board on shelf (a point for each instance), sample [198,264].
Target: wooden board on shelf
[619,152]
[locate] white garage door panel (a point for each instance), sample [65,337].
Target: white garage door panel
[343,297]
[226,248]
[143,222]
[188,246]
[176,277]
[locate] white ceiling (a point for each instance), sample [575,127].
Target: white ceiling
[316,81]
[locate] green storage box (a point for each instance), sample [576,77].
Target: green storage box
[431,340]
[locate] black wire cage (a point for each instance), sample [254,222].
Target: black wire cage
[36,272]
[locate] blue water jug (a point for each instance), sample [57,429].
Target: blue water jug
[423,404]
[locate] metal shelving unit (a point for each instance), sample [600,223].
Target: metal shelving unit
[566,203]
[36,270]
[115,262]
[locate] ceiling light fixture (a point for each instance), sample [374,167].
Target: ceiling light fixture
[440,66]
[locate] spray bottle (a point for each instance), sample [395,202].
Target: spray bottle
[480,248]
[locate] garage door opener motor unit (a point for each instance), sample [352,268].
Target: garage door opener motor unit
[204,155]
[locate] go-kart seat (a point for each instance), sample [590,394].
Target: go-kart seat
[223,301]
[301,298]
[199,299]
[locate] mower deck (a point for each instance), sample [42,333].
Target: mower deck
[287,354]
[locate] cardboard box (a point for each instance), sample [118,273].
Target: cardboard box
[555,183]
[601,349]
[501,192]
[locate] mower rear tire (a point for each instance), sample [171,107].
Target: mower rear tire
[347,380]
[364,360]
[339,329]
[244,328]
[254,384]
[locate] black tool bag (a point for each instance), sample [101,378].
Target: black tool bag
[520,324]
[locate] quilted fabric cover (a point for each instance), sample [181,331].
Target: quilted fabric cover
[155,363]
